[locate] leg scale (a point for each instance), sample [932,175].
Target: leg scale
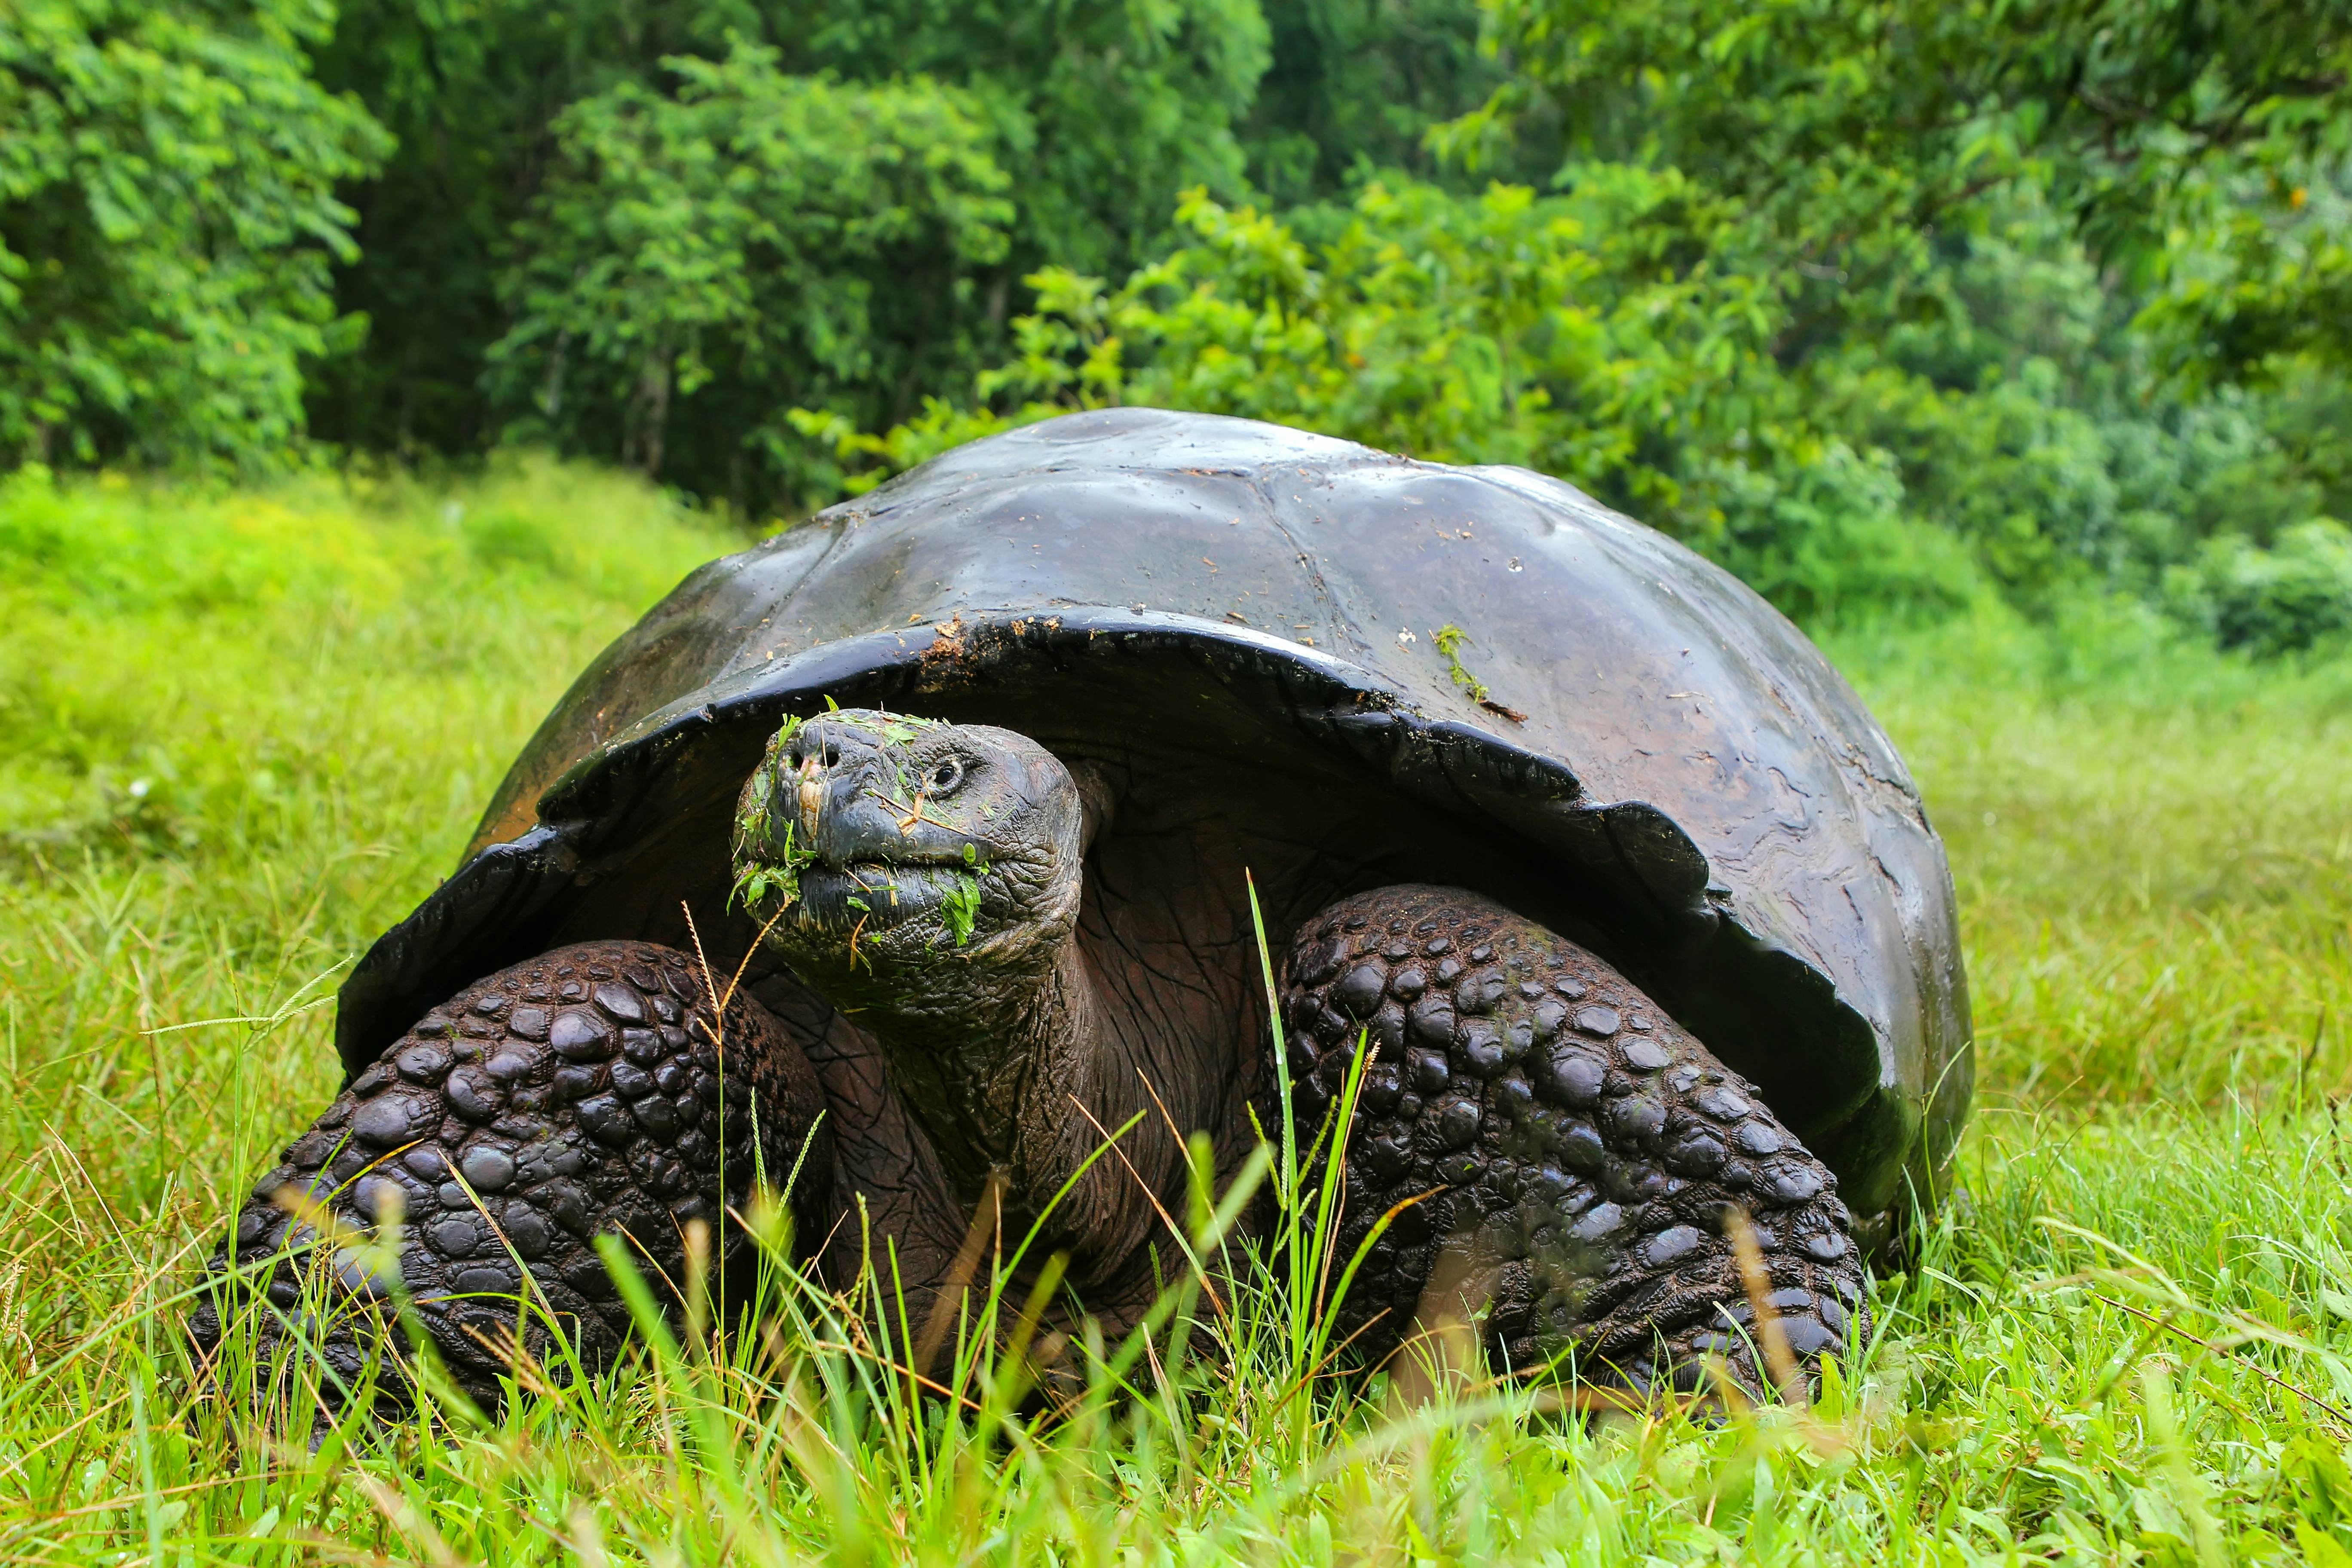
[595,1088]
[1582,1156]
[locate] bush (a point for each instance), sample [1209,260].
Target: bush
[754,241]
[167,216]
[1829,541]
[1554,333]
[2292,596]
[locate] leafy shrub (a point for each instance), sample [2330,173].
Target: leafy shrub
[751,241]
[1621,335]
[2289,597]
[1550,331]
[1829,540]
[167,216]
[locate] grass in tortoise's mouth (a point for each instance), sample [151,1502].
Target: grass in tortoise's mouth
[878,895]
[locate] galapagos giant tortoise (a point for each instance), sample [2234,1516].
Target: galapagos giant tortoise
[1631,899]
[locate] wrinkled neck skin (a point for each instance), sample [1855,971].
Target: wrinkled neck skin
[1001,1057]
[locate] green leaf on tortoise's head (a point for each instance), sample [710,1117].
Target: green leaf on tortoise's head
[962,906]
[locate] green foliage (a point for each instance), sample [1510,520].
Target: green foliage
[2025,416]
[2283,599]
[752,241]
[2003,429]
[167,217]
[2265,280]
[1096,114]
[1501,328]
[2034,212]
[961,907]
[1355,85]
[1886,304]
[1850,131]
[766,862]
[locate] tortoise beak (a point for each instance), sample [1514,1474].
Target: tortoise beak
[838,799]
[877,864]
[851,804]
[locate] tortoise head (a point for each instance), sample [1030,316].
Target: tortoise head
[880,845]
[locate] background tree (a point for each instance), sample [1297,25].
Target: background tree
[167,219]
[748,241]
[1098,115]
[1354,86]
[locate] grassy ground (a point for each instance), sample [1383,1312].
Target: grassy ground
[243,732]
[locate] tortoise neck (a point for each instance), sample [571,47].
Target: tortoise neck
[1019,1082]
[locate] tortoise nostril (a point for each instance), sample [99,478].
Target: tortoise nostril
[832,757]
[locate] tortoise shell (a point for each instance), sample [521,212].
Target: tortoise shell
[1291,662]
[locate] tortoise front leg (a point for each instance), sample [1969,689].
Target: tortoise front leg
[1585,1157]
[595,1088]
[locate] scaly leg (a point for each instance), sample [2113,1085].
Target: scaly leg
[595,1088]
[1585,1154]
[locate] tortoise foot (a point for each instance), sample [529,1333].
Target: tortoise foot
[468,1170]
[1586,1162]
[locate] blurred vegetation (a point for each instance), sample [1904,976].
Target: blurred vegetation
[164,678]
[1891,305]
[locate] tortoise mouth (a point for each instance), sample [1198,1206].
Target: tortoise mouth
[877,895]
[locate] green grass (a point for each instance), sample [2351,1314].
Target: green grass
[2154,855]
[243,732]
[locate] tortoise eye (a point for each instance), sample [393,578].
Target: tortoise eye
[946,774]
